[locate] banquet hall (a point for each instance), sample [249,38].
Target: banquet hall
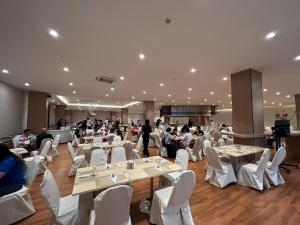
[149,112]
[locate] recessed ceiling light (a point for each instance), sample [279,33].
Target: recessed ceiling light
[74,92]
[270,35]
[219,101]
[229,96]
[288,96]
[213,104]
[212,93]
[265,90]
[27,84]
[225,78]
[189,102]
[272,103]
[133,97]
[173,100]
[279,104]
[71,84]
[265,101]
[144,92]
[122,78]
[205,99]
[161,103]
[277,93]
[188,97]
[112,88]
[190,89]
[201,103]
[107,95]
[154,99]
[66,69]
[161,84]
[297,58]
[53,33]
[77,100]
[5,71]
[169,95]
[230,103]
[193,70]
[223,106]
[52,100]
[142,56]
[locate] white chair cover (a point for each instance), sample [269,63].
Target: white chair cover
[252,175]
[118,154]
[196,152]
[221,142]
[75,141]
[16,206]
[218,173]
[272,169]
[16,141]
[97,140]
[170,206]
[55,144]
[98,157]
[117,138]
[206,144]
[130,152]
[78,161]
[33,169]
[112,207]
[65,210]
[43,155]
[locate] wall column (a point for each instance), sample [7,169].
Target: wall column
[148,109]
[124,116]
[247,107]
[38,110]
[297,103]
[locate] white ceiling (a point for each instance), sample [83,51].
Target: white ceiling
[216,37]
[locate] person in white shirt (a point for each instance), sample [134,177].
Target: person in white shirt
[186,137]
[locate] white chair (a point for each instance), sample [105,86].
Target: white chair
[252,175]
[64,209]
[272,169]
[117,138]
[16,141]
[118,154]
[218,173]
[221,142]
[44,152]
[182,159]
[196,152]
[55,145]
[170,206]
[112,207]
[75,142]
[78,160]
[33,169]
[97,140]
[98,158]
[130,152]
[206,143]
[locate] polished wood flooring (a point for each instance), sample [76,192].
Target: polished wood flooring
[210,205]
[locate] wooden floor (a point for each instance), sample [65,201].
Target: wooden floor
[234,204]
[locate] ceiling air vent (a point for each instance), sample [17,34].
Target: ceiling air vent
[108,80]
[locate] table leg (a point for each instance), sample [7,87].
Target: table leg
[145,205]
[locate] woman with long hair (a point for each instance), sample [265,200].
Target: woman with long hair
[12,171]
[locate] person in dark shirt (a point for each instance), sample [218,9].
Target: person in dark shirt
[12,171]
[146,129]
[190,123]
[43,135]
[59,124]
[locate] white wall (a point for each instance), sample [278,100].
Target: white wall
[13,110]
[269,115]
[135,117]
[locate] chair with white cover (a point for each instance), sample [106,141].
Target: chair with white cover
[98,157]
[218,172]
[117,138]
[78,160]
[75,141]
[118,154]
[252,175]
[55,145]
[43,154]
[112,207]
[182,159]
[16,141]
[196,152]
[20,199]
[206,143]
[221,142]
[130,152]
[170,206]
[64,209]
[97,140]
[272,169]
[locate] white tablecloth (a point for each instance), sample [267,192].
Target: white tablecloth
[65,135]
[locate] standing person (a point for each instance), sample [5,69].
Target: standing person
[12,171]
[146,129]
[190,123]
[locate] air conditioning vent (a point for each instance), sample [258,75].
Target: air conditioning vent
[108,80]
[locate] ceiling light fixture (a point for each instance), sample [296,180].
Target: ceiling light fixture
[265,101]
[272,103]
[107,95]
[193,70]
[279,104]
[154,99]
[270,35]
[112,88]
[5,71]
[229,96]
[66,69]
[225,78]
[77,100]
[71,84]
[52,100]
[169,95]
[277,93]
[188,97]
[142,56]
[53,33]
[144,92]
[265,89]
[27,84]
[189,102]
[297,58]
[190,89]
[122,78]
[173,101]
[161,84]
[288,96]
[161,103]
[205,99]
[133,97]
[212,93]
[74,92]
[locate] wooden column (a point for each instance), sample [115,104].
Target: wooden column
[124,116]
[38,111]
[148,109]
[247,107]
[297,102]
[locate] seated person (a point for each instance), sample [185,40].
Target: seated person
[198,131]
[168,143]
[12,170]
[186,137]
[27,140]
[111,135]
[25,136]
[134,130]
[43,135]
